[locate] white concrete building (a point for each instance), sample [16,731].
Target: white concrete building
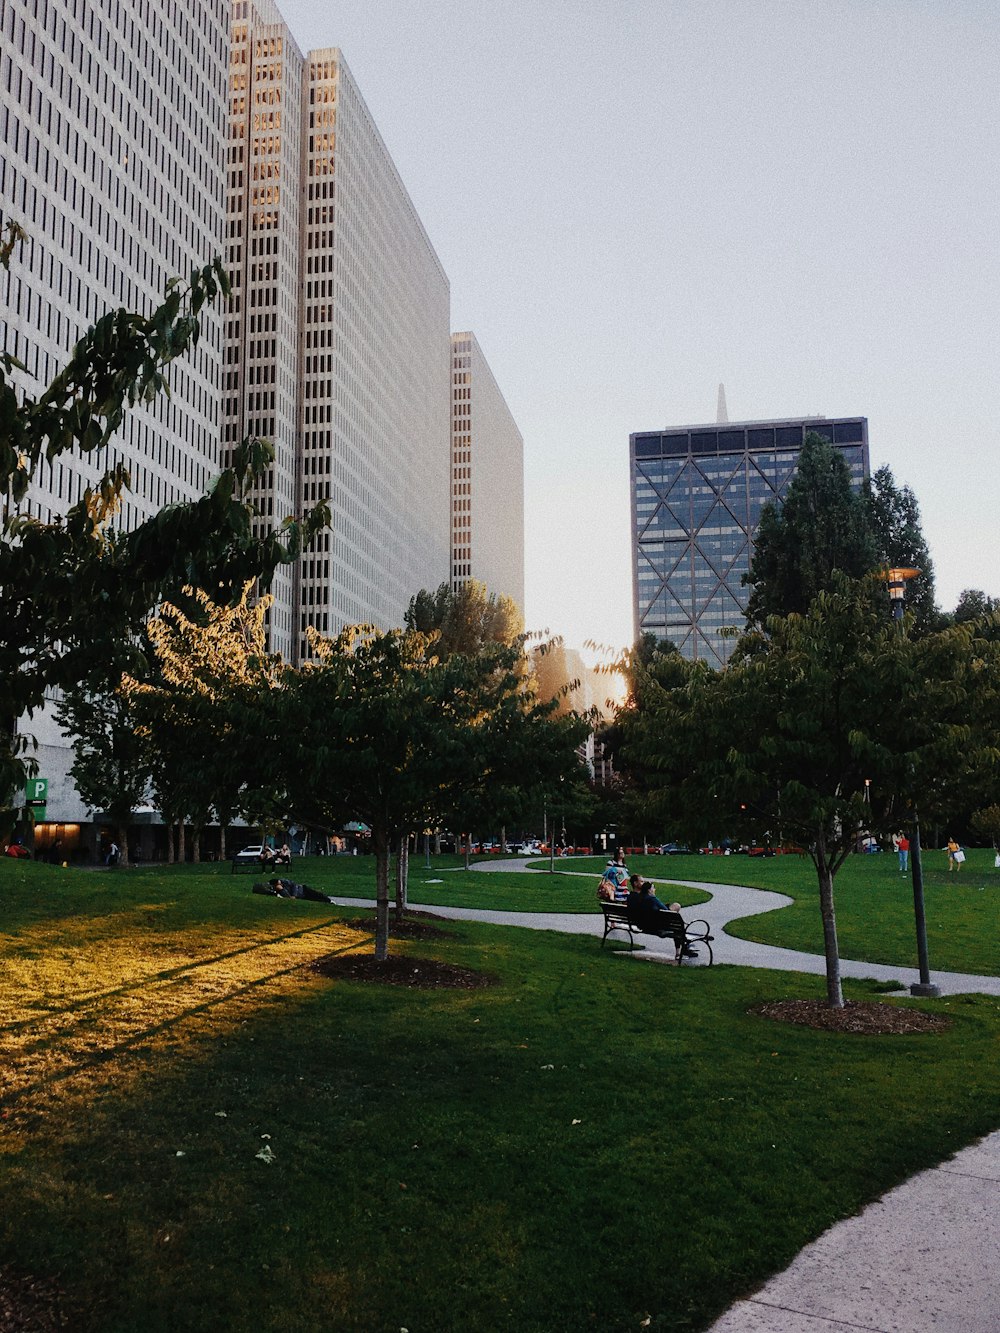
[112,135]
[111,158]
[141,138]
[487,486]
[375,419]
[263,230]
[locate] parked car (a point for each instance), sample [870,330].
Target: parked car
[249,854]
[675,849]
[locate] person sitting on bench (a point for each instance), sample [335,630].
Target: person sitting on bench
[653,918]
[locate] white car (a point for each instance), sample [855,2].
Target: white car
[249,854]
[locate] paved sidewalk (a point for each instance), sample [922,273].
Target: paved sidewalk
[922,1259]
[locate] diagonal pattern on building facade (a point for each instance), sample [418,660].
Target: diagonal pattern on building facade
[697,495]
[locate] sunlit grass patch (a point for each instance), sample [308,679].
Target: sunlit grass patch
[202,1133]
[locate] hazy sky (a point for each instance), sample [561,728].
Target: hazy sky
[635,200]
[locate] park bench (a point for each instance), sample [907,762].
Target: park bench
[253,865]
[616,917]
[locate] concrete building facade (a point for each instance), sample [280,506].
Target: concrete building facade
[140,138]
[376,337]
[112,131]
[487,486]
[697,493]
[263,320]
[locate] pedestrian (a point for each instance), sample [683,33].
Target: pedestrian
[903,849]
[956,857]
[113,853]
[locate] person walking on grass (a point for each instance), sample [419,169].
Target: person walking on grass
[956,857]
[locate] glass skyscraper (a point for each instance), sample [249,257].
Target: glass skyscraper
[697,494]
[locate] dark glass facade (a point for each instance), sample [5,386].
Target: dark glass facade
[697,494]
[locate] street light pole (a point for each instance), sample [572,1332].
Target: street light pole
[925,988]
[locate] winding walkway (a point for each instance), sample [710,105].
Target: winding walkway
[729,902]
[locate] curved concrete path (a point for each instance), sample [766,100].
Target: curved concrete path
[729,902]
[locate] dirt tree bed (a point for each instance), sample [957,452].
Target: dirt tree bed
[859,1016]
[420,973]
[29,1304]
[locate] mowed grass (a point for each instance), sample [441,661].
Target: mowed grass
[874,905]
[572,888]
[590,1143]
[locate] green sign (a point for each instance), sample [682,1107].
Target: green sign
[36,793]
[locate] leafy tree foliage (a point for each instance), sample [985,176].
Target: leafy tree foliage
[974,604]
[900,543]
[466,619]
[838,722]
[200,717]
[821,527]
[74,591]
[406,736]
[110,765]
[986,822]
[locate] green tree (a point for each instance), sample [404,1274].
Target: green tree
[466,619]
[900,543]
[199,717]
[986,822]
[75,591]
[110,764]
[975,607]
[820,527]
[839,722]
[404,734]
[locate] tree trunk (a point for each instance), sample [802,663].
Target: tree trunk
[196,843]
[402,876]
[222,842]
[380,842]
[831,950]
[123,844]
[169,826]
[503,838]
[181,844]
[468,845]
[437,842]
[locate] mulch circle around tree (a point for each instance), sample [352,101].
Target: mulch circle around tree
[29,1304]
[862,1016]
[407,929]
[420,973]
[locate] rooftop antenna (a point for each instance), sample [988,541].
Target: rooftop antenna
[722,415]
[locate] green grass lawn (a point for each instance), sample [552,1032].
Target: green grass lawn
[448,884]
[874,905]
[524,1157]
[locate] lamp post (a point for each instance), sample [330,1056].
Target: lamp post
[897,580]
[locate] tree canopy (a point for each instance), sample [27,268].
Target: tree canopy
[75,591]
[407,737]
[838,723]
[900,543]
[465,619]
[820,527]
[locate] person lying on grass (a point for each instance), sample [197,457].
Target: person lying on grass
[286,888]
[651,916]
